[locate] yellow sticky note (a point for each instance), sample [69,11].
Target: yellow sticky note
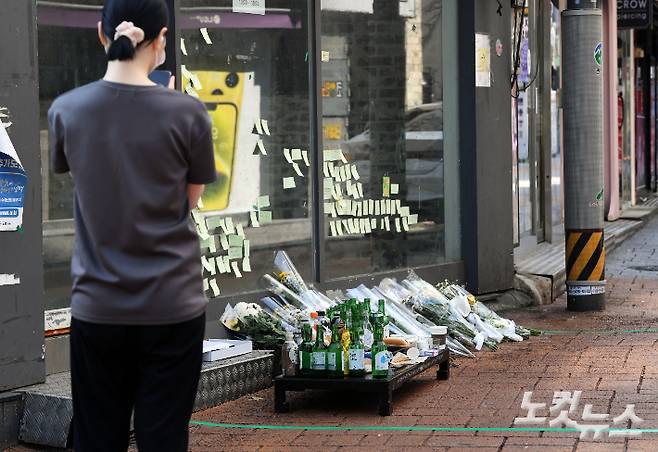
[386,186]
[288,183]
[215,288]
[325,168]
[324,56]
[206,36]
[373,223]
[376,211]
[339,228]
[359,186]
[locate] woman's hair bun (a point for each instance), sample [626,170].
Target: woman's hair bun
[121,49]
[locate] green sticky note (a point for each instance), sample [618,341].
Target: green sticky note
[235,240]
[214,222]
[264,216]
[235,252]
[263,201]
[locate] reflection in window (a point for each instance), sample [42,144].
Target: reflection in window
[251,71]
[69,56]
[382,108]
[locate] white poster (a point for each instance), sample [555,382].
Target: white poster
[249,6]
[13,183]
[482,60]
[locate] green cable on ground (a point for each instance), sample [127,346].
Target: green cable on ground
[601,331]
[408,428]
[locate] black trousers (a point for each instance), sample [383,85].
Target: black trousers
[152,369]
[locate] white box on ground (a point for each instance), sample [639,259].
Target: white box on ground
[215,349]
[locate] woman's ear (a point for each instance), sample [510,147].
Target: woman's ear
[161,41]
[101,36]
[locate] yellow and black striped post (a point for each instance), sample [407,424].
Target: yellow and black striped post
[585,259]
[584,193]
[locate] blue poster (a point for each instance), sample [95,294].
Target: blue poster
[13,185]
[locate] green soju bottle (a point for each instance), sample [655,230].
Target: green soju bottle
[356,355]
[306,351]
[366,326]
[382,311]
[335,354]
[379,354]
[319,354]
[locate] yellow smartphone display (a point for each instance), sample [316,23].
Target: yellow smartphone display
[222,93]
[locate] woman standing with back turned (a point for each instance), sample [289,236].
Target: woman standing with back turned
[139,155]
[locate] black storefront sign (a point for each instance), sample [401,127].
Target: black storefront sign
[634,13]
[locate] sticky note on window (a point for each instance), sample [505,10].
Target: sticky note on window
[183,49]
[339,228]
[330,209]
[325,168]
[208,265]
[235,240]
[202,232]
[288,183]
[324,56]
[405,224]
[236,270]
[387,223]
[260,147]
[395,189]
[213,223]
[235,252]
[212,246]
[221,266]
[263,201]
[333,155]
[398,228]
[239,229]
[206,36]
[265,216]
[373,223]
[229,225]
[376,211]
[332,169]
[266,127]
[206,286]
[355,172]
[296,154]
[246,264]
[254,219]
[386,186]
[247,248]
[398,205]
[328,191]
[258,126]
[297,169]
[413,219]
[224,242]
[360,187]
[332,226]
[287,155]
[305,158]
[215,288]
[404,211]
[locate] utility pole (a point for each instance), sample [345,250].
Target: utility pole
[582,48]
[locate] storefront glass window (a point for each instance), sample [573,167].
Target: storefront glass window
[251,71]
[69,56]
[382,92]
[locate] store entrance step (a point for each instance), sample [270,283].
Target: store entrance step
[48,407]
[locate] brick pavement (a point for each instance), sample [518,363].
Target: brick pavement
[612,369]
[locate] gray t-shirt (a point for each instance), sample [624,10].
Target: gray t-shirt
[132,151]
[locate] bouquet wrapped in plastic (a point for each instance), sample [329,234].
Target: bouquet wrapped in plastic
[249,320]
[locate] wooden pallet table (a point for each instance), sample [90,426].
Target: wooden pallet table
[384,387]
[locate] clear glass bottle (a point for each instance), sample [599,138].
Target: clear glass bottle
[382,311]
[289,356]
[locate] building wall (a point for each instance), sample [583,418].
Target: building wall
[21,305]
